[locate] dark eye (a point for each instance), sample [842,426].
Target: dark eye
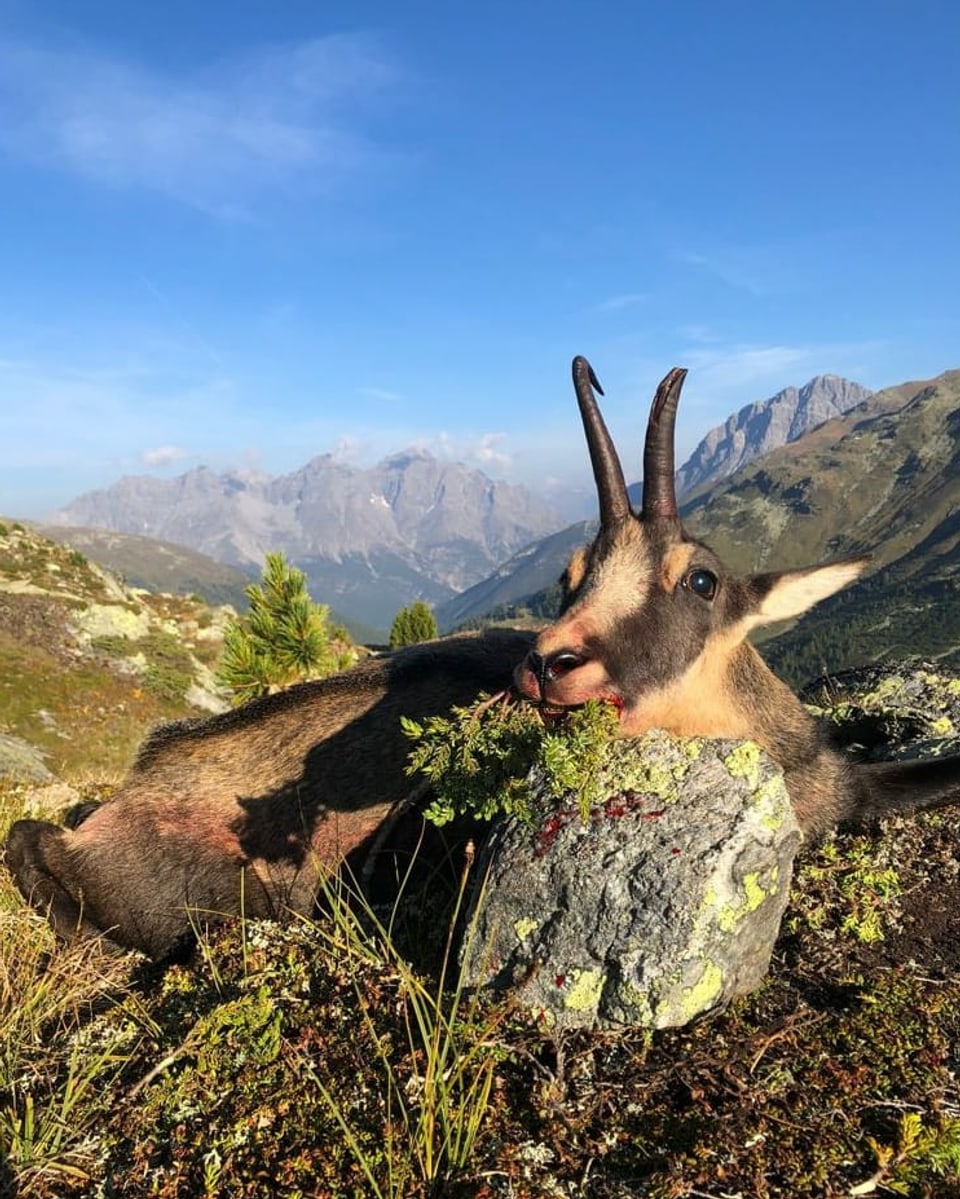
[702,583]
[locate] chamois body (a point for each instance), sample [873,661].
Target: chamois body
[248,810]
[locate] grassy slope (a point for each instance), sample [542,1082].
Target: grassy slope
[81,693]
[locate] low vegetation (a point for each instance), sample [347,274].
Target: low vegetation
[88,665]
[478,760]
[312,1059]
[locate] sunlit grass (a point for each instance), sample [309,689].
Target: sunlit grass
[434,1114]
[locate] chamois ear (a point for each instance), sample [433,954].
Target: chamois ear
[790,593]
[572,577]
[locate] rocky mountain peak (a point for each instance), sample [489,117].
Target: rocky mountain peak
[763,426]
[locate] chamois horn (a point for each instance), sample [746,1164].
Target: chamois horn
[659,496]
[607,471]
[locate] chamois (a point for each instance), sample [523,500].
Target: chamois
[249,810]
[653,622]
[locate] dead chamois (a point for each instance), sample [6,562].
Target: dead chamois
[249,810]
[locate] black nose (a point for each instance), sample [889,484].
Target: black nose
[546,670]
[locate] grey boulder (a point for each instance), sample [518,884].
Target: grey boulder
[662,904]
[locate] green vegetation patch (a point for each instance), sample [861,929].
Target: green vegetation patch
[310,1060]
[478,759]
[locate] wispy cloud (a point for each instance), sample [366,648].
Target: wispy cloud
[489,451]
[726,370]
[617,303]
[63,416]
[738,268]
[379,393]
[165,455]
[217,140]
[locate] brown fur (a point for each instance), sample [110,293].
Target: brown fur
[249,810]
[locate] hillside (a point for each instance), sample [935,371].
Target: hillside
[533,570]
[88,664]
[156,565]
[878,480]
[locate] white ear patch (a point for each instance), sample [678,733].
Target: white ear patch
[796,591]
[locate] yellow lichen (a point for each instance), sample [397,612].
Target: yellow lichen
[525,926]
[585,990]
[744,763]
[703,994]
[754,893]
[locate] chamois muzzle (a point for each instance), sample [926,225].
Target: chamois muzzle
[554,666]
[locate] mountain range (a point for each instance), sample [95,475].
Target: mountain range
[369,540]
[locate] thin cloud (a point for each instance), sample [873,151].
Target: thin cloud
[379,393]
[218,140]
[164,455]
[617,303]
[489,451]
[734,367]
[57,416]
[736,268]
[742,368]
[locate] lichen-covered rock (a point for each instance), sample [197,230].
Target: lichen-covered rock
[664,903]
[891,710]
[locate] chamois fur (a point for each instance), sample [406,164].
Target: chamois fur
[654,622]
[249,810]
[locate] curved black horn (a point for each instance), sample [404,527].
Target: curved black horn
[659,495]
[607,471]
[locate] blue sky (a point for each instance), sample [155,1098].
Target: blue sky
[243,234]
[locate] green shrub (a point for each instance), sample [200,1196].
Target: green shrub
[478,759]
[283,639]
[412,625]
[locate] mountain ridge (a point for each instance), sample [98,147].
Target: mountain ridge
[369,539]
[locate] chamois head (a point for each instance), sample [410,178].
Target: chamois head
[652,619]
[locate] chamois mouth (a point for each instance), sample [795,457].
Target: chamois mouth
[553,712]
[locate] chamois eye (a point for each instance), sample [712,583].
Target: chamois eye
[702,583]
